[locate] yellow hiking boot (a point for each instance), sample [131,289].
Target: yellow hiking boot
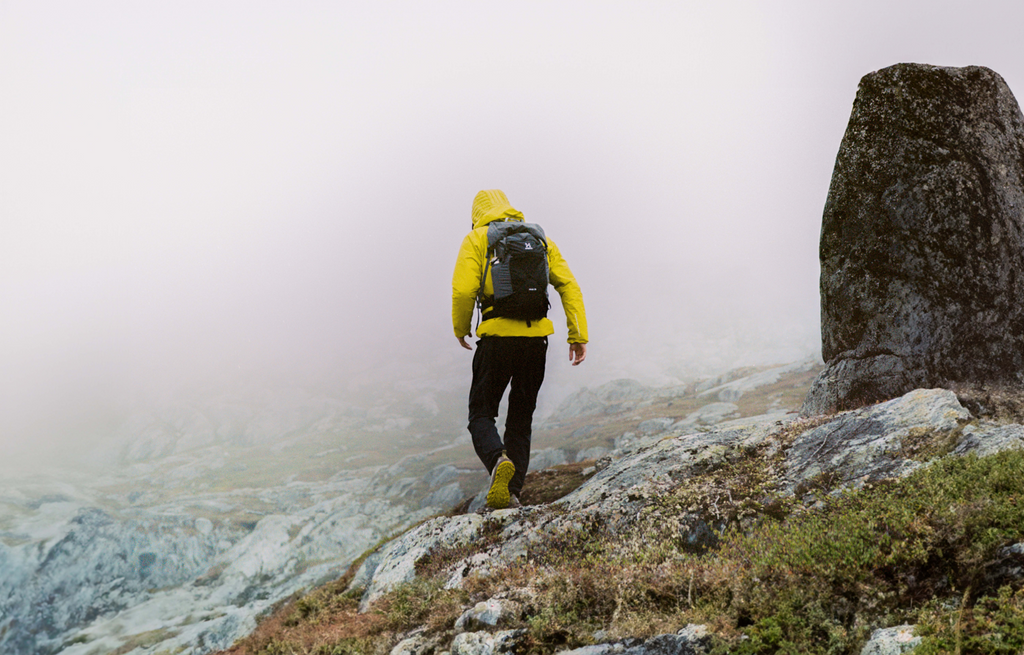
[498,495]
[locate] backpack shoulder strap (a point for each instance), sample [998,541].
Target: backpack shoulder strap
[493,237]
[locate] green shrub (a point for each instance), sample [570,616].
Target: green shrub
[815,582]
[993,626]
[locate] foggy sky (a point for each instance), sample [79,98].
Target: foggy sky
[197,193]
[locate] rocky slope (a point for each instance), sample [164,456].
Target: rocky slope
[222,508]
[216,508]
[669,545]
[83,570]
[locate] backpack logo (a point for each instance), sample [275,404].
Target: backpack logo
[529,246]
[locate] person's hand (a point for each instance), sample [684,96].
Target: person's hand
[462,340]
[577,353]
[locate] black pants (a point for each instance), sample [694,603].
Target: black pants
[498,361]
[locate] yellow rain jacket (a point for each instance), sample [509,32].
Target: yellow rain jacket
[492,206]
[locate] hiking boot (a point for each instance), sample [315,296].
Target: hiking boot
[497,494]
[513,502]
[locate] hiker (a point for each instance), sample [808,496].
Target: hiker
[512,332]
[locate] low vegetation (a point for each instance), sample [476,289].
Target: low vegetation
[782,577]
[999,402]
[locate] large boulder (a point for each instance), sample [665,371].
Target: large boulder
[922,239]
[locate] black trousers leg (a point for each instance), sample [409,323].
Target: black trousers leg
[497,362]
[522,401]
[490,378]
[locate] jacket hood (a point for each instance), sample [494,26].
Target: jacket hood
[492,205]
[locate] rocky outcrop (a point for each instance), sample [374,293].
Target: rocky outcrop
[620,396]
[87,570]
[126,560]
[871,443]
[922,239]
[691,640]
[486,614]
[729,388]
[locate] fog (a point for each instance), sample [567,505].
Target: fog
[208,196]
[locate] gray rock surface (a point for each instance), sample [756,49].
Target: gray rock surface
[985,440]
[81,573]
[646,472]
[864,444]
[922,239]
[546,458]
[597,452]
[445,498]
[486,614]
[611,397]
[691,640]
[441,475]
[891,641]
[654,426]
[397,561]
[418,643]
[709,414]
[485,643]
[728,389]
[1009,565]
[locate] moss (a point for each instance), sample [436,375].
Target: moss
[439,560]
[872,553]
[737,487]
[922,444]
[817,582]
[998,402]
[993,625]
[548,485]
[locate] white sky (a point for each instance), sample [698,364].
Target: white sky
[193,188]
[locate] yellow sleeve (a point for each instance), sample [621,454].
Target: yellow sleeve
[465,284]
[569,290]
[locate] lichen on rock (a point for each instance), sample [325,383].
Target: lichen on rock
[922,239]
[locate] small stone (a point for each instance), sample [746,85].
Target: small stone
[891,641]
[486,614]
[485,643]
[417,644]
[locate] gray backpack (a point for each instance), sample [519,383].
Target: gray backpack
[517,256]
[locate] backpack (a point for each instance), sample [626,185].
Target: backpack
[517,255]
